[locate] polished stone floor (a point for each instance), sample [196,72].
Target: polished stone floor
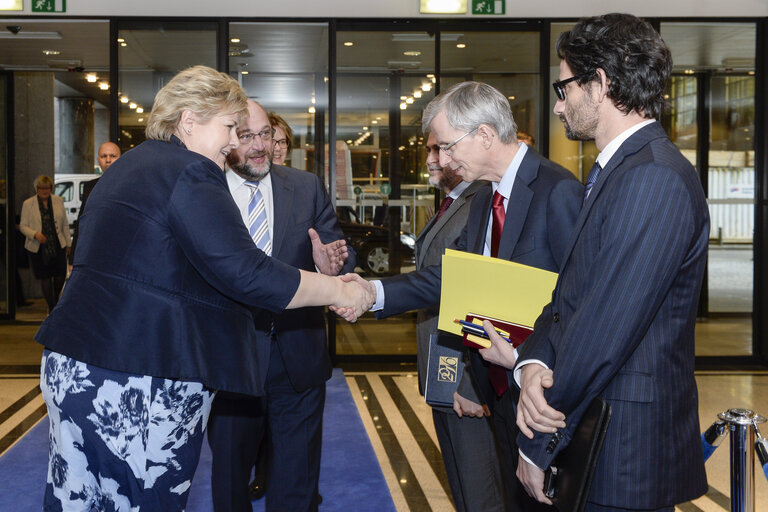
[397,420]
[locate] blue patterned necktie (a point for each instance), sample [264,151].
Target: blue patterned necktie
[258,226]
[591,179]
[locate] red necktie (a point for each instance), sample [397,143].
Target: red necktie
[497,211]
[496,373]
[443,207]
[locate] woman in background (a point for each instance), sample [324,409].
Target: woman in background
[282,139]
[46,229]
[155,315]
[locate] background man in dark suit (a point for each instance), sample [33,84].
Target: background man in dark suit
[108,153]
[537,202]
[293,342]
[621,321]
[466,444]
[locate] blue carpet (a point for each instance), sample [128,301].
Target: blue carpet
[350,476]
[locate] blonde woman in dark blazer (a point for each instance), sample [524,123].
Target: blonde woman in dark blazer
[46,229]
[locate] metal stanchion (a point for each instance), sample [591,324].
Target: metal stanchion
[741,423]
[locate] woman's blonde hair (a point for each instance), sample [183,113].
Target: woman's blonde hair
[200,89]
[43,180]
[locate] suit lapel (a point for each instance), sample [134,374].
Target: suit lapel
[517,206]
[632,145]
[282,206]
[476,244]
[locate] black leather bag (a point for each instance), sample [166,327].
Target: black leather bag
[569,478]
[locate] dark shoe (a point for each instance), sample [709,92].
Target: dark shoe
[256,489]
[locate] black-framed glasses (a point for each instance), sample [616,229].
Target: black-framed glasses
[283,143]
[248,137]
[446,148]
[559,87]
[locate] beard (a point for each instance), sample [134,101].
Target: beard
[580,121]
[445,180]
[245,170]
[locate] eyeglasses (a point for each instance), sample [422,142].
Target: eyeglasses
[446,148]
[249,137]
[281,142]
[559,87]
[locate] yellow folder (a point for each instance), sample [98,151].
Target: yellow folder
[491,287]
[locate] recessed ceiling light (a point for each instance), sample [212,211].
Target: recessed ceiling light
[235,40]
[244,72]
[104,86]
[141,119]
[91,78]
[123,44]
[349,43]
[403,106]
[426,87]
[51,52]
[409,100]
[511,97]
[311,110]
[417,94]
[412,53]
[374,122]
[461,45]
[120,40]
[124,99]
[140,110]
[132,106]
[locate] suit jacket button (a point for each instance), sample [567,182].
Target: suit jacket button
[556,317]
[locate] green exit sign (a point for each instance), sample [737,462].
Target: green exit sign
[488,7]
[49,5]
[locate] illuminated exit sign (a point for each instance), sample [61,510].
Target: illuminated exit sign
[49,5]
[488,7]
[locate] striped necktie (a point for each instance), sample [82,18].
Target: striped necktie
[591,179]
[258,226]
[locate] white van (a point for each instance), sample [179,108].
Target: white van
[70,187]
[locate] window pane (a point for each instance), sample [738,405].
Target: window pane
[284,67]
[720,58]
[148,59]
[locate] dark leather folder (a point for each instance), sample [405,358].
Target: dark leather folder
[568,480]
[445,367]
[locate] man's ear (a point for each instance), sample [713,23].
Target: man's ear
[486,134]
[602,84]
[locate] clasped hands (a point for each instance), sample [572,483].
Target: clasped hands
[533,411]
[357,285]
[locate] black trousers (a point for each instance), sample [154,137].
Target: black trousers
[294,421]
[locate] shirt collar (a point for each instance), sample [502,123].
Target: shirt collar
[458,189]
[235,181]
[504,187]
[610,149]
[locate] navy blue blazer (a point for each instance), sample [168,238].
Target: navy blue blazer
[621,326]
[541,212]
[300,202]
[163,273]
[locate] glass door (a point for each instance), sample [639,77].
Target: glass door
[712,121]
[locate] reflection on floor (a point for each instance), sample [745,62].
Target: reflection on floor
[398,422]
[399,425]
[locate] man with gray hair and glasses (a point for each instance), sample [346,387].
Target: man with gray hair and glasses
[526,216]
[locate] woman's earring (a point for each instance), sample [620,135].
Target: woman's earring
[189,131]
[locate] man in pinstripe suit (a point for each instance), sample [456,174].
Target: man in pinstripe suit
[621,321]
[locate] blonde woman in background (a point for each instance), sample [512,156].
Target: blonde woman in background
[46,229]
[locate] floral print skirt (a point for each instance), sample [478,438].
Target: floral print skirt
[118,441]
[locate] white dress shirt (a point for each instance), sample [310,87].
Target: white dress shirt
[241,193]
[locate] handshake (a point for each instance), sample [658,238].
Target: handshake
[356,297]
